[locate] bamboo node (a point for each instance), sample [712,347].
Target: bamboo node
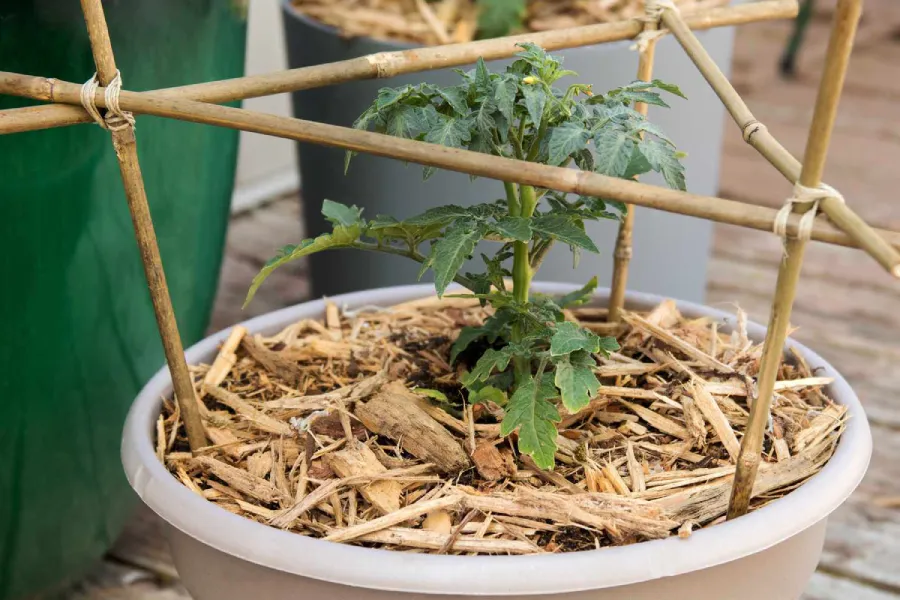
[751,128]
[804,195]
[655,8]
[115,118]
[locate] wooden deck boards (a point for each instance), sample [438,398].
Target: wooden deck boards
[847,309]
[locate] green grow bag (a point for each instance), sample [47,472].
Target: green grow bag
[78,334]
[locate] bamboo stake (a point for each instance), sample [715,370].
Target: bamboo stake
[846,19]
[390,64]
[758,136]
[719,210]
[125,147]
[624,250]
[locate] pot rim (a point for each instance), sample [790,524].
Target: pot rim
[485,575]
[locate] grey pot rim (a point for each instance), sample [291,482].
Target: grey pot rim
[487,575]
[288,9]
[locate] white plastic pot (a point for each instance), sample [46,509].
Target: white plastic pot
[769,554]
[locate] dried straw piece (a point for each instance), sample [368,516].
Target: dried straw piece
[359,460]
[715,417]
[404,514]
[241,480]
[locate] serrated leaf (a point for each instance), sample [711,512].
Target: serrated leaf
[450,252]
[564,229]
[497,18]
[584,159]
[340,237]
[647,97]
[340,214]
[579,296]
[466,336]
[439,215]
[404,121]
[614,149]
[484,118]
[390,96]
[482,78]
[490,361]
[669,87]
[665,160]
[516,228]
[365,120]
[654,129]
[433,394]
[535,101]
[638,165]
[505,90]
[564,140]
[608,345]
[576,380]
[569,337]
[447,131]
[531,413]
[487,394]
[456,96]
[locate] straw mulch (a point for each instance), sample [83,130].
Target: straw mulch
[324,430]
[446,21]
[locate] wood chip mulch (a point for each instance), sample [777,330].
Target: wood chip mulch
[323,430]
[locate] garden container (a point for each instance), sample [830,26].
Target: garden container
[79,333]
[671,251]
[770,553]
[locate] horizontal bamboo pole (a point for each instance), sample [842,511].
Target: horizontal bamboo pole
[476,163]
[390,64]
[762,139]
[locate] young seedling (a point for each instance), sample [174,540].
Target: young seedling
[536,359]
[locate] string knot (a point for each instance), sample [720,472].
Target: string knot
[655,8]
[751,128]
[653,12]
[114,119]
[804,195]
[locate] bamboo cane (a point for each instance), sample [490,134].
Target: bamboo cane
[125,147]
[567,180]
[763,141]
[389,64]
[624,250]
[840,45]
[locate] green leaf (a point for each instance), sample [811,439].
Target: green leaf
[516,228]
[565,229]
[447,131]
[456,97]
[496,18]
[531,413]
[484,119]
[614,149]
[565,140]
[535,101]
[466,336]
[569,338]
[653,129]
[404,121]
[365,120]
[433,394]
[492,328]
[487,394]
[482,77]
[576,380]
[579,296]
[665,160]
[638,165]
[340,214]
[341,237]
[490,361]
[651,98]
[442,215]
[608,345]
[669,87]
[505,96]
[390,96]
[450,252]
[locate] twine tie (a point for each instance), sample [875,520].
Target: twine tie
[115,118]
[653,10]
[804,195]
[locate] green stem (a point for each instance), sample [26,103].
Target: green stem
[512,199]
[538,255]
[413,254]
[536,144]
[522,275]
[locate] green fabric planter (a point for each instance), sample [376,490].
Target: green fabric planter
[79,336]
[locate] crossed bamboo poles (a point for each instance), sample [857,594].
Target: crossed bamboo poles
[197,103]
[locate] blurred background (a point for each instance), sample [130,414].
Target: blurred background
[81,334]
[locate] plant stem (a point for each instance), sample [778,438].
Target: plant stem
[522,274]
[512,199]
[414,255]
[539,254]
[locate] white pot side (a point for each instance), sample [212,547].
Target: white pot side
[769,554]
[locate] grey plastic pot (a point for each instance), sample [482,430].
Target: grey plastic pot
[770,553]
[671,251]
